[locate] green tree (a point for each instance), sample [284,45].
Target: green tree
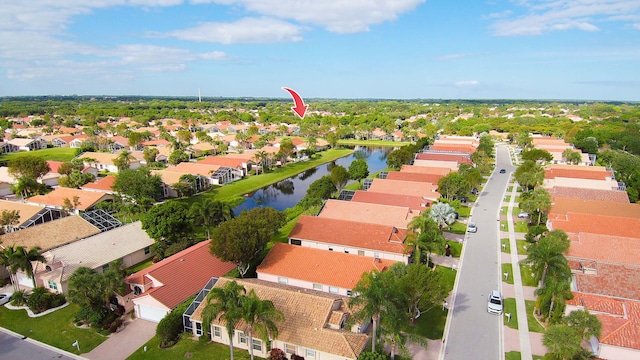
[113,279]
[224,304]
[75,179]
[425,237]
[211,213]
[443,214]
[142,187]
[339,176]
[546,256]
[424,289]
[524,140]
[261,316]
[486,145]
[8,218]
[552,296]
[286,149]
[321,188]
[453,184]
[536,202]
[178,156]
[358,169]
[537,154]
[86,288]
[571,157]
[169,223]
[169,328]
[28,166]
[241,240]
[371,296]
[23,259]
[332,139]
[149,154]
[123,161]
[563,342]
[9,261]
[529,175]
[585,323]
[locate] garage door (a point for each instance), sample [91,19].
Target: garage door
[24,280]
[150,313]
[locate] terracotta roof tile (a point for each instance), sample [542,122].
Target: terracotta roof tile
[614,280]
[350,233]
[319,266]
[443,146]
[306,314]
[579,172]
[193,168]
[57,196]
[400,187]
[604,247]
[460,159]
[367,213]
[589,194]
[413,176]
[598,224]
[105,184]
[562,206]
[182,274]
[426,169]
[415,203]
[222,161]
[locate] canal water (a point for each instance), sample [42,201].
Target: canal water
[288,192]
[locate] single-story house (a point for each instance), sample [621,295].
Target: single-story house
[28,214]
[104,161]
[314,325]
[28,144]
[162,286]
[104,185]
[56,199]
[393,216]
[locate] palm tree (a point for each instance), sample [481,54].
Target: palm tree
[261,158]
[7,259]
[114,279]
[546,255]
[211,213]
[426,237]
[225,304]
[261,316]
[371,297]
[123,160]
[562,341]
[553,295]
[23,260]
[536,201]
[443,214]
[585,323]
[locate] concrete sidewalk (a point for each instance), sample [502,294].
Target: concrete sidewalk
[125,342]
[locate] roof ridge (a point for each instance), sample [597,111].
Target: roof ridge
[170,259]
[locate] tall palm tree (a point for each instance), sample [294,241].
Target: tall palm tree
[261,316]
[562,341]
[536,201]
[7,259]
[123,160]
[426,237]
[114,279]
[23,260]
[225,304]
[203,214]
[553,295]
[546,255]
[371,297]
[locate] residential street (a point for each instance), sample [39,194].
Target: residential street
[13,346]
[473,333]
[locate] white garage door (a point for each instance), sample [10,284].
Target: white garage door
[24,280]
[150,313]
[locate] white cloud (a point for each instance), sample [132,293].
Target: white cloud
[467,83]
[540,16]
[247,30]
[339,16]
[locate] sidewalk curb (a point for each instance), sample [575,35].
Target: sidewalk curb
[41,344]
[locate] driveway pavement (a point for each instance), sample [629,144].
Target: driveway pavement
[125,342]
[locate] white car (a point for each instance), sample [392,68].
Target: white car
[523,214]
[496,303]
[472,227]
[5,298]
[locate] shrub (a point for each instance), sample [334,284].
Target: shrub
[277,354]
[19,298]
[169,328]
[39,300]
[57,300]
[97,317]
[296,357]
[368,355]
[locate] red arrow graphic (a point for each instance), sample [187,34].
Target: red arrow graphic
[300,108]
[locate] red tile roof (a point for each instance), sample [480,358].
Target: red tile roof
[388,215]
[222,161]
[414,176]
[182,274]
[413,188]
[615,280]
[319,266]
[577,172]
[460,159]
[598,224]
[194,168]
[415,203]
[589,194]
[608,248]
[350,233]
[104,184]
[453,147]
[57,197]
[620,319]
[562,206]
[426,169]
[54,166]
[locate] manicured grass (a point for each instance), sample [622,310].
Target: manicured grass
[464,211]
[140,266]
[456,248]
[522,227]
[510,308]
[457,228]
[431,323]
[373,142]
[504,210]
[521,247]
[472,198]
[56,329]
[512,355]
[356,185]
[517,200]
[534,325]
[188,348]
[508,246]
[233,192]
[510,189]
[507,198]
[283,234]
[55,154]
[508,269]
[504,225]
[527,278]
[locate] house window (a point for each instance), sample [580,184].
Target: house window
[257,344]
[217,332]
[346,251]
[376,255]
[198,328]
[317,286]
[330,248]
[311,354]
[105,267]
[283,280]
[242,338]
[333,289]
[349,292]
[147,250]
[296,242]
[361,252]
[52,285]
[289,349]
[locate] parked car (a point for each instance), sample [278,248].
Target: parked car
[472,227]
[495,303]
[463,199]
[523,214]
[4,298]
[503,171]
[474,191]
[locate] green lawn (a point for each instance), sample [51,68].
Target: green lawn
[507,198]
[431,323]
[283,234]
[464,211]
[534,325]
[504,210]
[510,308]
[356,185]
[372,142]
[515,355]
[510,189]
[527,278]
[508,246]
[55,154]
[521,244]
[188,348]
[233,192]
[522,226]
[56,329]
[456,248]
[504,225]
[139,266]
[457,228]
[507,268]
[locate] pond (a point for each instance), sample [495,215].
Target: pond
[286,193]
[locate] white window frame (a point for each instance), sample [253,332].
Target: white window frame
[289,348]
[242,338]
[52,285]
[198,328]
[217,331]
[311,354]
[334,290]
[283,280]
[360,252]
[257,345]
[317,286]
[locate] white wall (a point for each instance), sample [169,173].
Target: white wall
[300,283]
[302,351]
[610,352]
[353,250]
[436,163]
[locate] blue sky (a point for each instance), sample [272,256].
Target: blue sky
[399,49]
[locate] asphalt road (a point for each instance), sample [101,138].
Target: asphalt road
[16,348]
[473,333]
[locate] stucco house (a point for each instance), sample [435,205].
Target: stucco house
[57,198]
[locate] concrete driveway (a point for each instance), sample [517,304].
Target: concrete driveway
[125,342]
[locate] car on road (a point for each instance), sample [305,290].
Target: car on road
[503,171]
[523,214]
[472,227]
[4,298]
[495,303]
